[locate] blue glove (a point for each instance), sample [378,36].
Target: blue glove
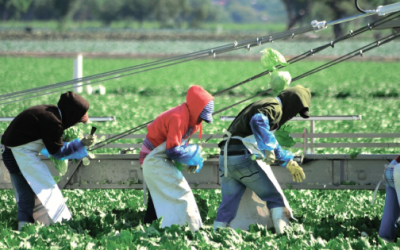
[71,150]
[188,155]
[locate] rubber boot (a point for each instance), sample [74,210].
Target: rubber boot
[21,224]
[280,218]
[218,224]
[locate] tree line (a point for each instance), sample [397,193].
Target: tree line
[177,13]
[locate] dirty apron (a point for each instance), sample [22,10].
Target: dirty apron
[41,181]
[253,210]
[172,197]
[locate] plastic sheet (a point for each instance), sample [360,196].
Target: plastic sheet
[266,140]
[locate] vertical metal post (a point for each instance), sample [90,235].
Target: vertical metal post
[78,73]
[312,123]
[305,141]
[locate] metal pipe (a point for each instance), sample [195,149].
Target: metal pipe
[312,118]
[93,119]
[346,19]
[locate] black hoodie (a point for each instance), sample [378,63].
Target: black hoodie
[293,99]
[44,122]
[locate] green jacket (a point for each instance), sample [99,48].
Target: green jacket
[293,99]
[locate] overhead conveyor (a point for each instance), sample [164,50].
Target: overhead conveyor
[322,171]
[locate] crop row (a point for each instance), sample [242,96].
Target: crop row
[113,219]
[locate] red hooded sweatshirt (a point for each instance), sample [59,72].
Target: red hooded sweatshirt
[180,122]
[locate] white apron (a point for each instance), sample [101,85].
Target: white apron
[41,181]
[172,197]
[253,210]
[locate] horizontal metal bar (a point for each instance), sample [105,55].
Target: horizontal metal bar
[322,172]
[387,9]
[312,118]
[139,145]
[294,135]
[297,145]
[214,158]
[347,145]
[346,135]
[388,25]
[347,19]
[93,119]
[142,136]
[349,157]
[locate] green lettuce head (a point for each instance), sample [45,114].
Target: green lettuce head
[271,58]
[280,80]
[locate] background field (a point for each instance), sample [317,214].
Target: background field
[111,219]
[366,88]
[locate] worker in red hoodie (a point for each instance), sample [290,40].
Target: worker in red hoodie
[165,147]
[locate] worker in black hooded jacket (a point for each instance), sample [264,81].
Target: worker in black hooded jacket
[250,137]
[32,130]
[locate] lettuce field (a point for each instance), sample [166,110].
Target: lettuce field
[113,219]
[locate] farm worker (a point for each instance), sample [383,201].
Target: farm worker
[391,212]
[32,130]
[249,135]
[165,145]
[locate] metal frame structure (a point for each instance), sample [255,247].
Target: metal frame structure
[92,118]
[124,172]
[323,171]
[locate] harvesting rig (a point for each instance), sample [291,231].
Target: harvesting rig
[323,171]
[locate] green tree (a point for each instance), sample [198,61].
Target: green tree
[171,13]
[199,12]
[241,13]
[108,11]
[296,11]
[14,8]
[138,10]
[64,11]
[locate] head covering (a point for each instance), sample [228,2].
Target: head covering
[85,118]
[73,107]
[206,114]
[294,100]
[197,99]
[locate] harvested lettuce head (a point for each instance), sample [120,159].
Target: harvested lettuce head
[271,58]
[280,80]
[283,136]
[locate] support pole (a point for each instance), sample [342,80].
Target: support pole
[305,141]
[312,127]
[78,73]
